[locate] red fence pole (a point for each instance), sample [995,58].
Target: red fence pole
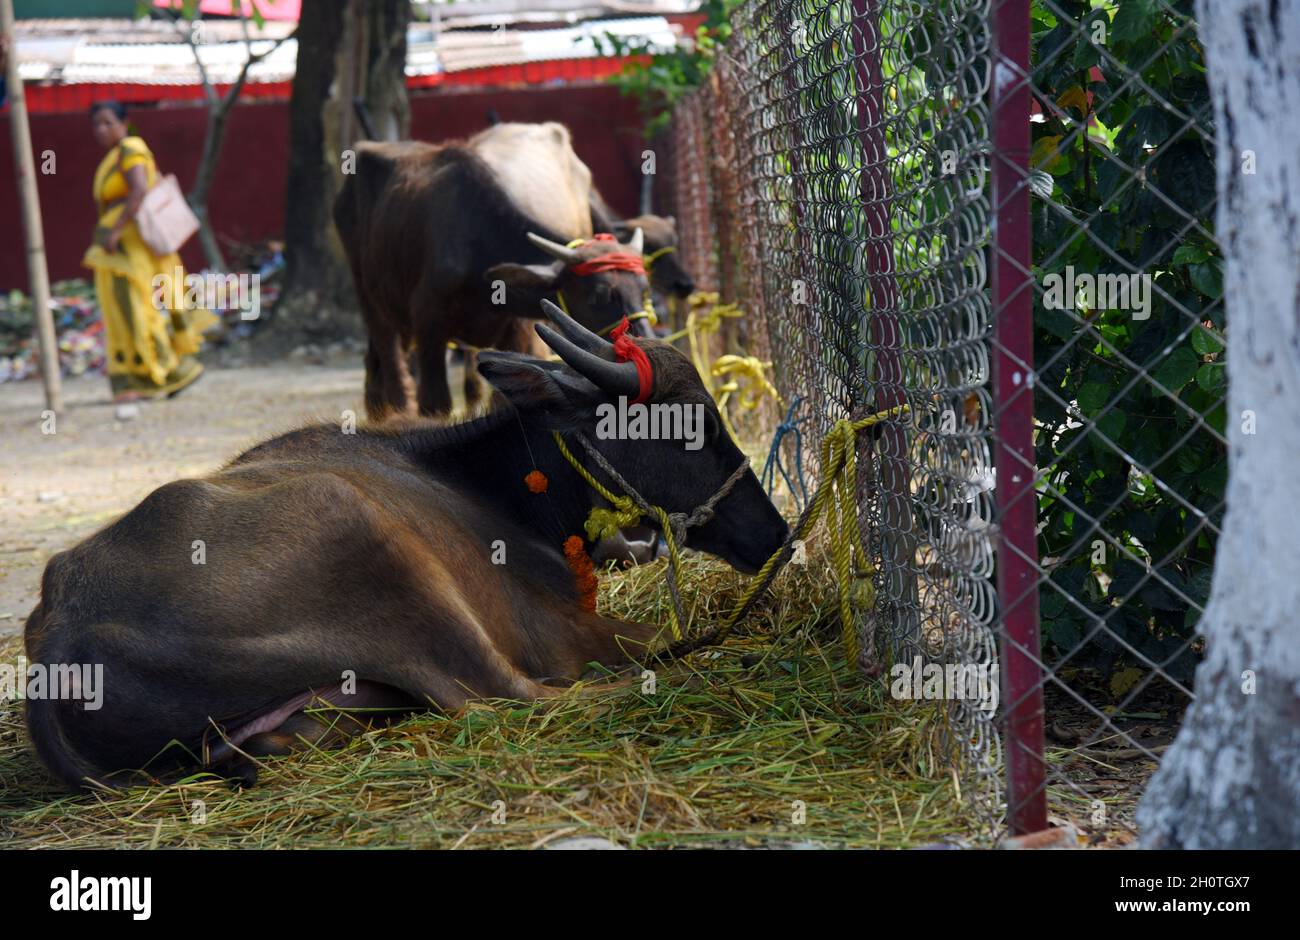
[1012,288]
[876,191]
[889,382]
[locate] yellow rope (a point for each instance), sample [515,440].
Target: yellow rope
[748,367]
[650,259]
[836,493]
[604,523]
[601,523]
[709,322]
[647,312]
[734,369]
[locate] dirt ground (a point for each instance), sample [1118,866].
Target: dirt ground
[57,488]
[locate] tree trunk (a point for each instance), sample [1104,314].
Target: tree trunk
[218,111]
[310,190]
[346,48]
[385,82]
[1232,777]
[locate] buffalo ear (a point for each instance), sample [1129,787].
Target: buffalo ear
[564,400]
[531,280]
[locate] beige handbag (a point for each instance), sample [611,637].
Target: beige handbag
[164,218]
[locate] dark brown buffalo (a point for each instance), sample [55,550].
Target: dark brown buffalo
[667,276]
[367,558]
[441,249]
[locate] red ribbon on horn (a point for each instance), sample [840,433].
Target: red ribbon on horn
[613,261]
[628,351]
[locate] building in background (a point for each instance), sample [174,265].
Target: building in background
[526,60]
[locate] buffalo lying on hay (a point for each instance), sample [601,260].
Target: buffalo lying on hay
[364,570]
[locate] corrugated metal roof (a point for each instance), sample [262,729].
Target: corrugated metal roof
[465,49]
[152,53]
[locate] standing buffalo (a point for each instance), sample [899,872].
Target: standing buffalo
[396,567]
[454,241]
[667,276]
[565,171]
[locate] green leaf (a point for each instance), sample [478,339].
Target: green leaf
[1205,342]
[1177,370]
[1065,634]
[1134,20]
[1093,397]
[1212,376]
[1214,479]
[1207,278]
[1051,605]
[1190,254]
[1112,425]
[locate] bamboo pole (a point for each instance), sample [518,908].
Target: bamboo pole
[38,277]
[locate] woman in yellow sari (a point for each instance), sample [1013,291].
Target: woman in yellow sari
[151,352]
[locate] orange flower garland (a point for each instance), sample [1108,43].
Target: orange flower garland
[584,572]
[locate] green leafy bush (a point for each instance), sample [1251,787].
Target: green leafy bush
[658,80]
[1130,411]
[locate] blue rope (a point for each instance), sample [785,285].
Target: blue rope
[774,462]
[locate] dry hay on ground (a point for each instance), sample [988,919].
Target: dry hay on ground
[724,751]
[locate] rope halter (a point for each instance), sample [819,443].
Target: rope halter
[631,506]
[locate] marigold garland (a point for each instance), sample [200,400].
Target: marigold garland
[584,572]
[536,482]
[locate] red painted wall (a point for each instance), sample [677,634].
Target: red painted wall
[247,202]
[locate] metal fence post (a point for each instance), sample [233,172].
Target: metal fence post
[901,605]
[1012,289]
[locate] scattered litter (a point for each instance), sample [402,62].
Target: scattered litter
[49,496]
[1063,837]
[585,843]
[127,412]
[79,322]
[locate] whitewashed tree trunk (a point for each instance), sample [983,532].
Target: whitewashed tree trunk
[1232,777]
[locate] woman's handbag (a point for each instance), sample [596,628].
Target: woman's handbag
[164,218]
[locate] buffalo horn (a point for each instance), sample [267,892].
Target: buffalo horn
[615,378]
[555,249]
[576,333]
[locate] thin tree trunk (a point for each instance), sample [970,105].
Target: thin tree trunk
[385,78]
[218,112]
[1232,777]
[317,301]
[310,188]
[198,195]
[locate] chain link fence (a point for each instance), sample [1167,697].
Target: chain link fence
[999,213]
